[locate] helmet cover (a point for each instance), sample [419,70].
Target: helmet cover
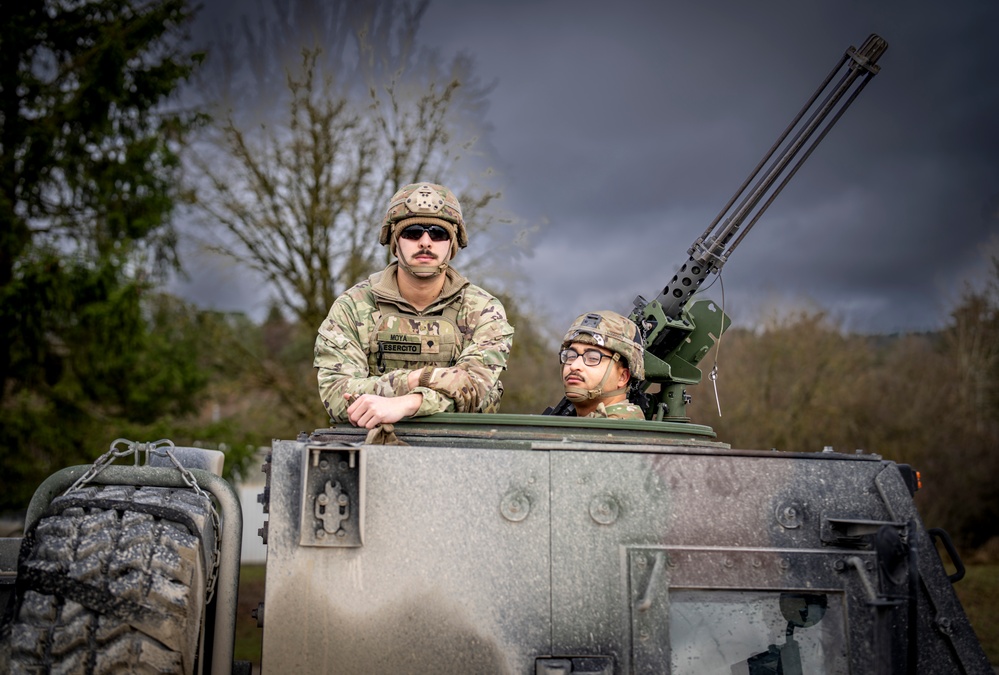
[612,331]
[424,204]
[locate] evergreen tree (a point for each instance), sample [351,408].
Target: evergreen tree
[88,175]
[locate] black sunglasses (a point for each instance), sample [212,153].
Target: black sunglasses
[436,232]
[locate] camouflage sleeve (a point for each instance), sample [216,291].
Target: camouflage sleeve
[476,373]
[342,361]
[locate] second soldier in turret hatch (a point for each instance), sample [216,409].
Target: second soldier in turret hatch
[416,338]
[600,354]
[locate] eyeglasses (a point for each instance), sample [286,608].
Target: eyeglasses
[415,232]
[591,357]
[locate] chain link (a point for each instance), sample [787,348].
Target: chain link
[160,448]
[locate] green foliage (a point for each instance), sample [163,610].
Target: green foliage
[88,180]
[978,592]
[87,345]
[249,637]
[89,154]
[119,365]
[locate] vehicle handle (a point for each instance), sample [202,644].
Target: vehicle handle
[955,558]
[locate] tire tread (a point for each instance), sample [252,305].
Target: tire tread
[103,588]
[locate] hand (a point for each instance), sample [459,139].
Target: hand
[369,410]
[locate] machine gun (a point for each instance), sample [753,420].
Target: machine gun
[677,334]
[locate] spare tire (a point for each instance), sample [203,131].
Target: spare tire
[112,579]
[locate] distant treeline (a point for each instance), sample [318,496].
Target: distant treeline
[930,400]
[797,384]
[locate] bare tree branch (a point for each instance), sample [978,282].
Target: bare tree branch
[299,198]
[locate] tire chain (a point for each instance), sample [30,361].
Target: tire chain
[161,448]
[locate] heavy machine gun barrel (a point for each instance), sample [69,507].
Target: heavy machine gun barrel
[677,336]
[712,249]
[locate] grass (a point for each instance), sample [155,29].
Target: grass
[248,635]
[978,592]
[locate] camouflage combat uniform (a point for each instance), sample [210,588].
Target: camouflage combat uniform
[618,411]
[373,338]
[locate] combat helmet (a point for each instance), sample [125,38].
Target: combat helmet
[612,331]
[426,204]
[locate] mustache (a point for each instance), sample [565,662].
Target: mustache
[426,251]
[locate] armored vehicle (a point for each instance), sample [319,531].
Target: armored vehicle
[472,543]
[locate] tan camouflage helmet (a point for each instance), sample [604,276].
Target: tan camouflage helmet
[426,204]
[612,331]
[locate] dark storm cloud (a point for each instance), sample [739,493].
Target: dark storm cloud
[626,126]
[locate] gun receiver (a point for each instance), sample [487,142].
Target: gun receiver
[678,335]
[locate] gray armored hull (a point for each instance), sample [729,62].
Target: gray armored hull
[504,544]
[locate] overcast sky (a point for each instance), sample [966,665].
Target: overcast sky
[624,127]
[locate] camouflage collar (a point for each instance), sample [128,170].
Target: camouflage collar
[385,287]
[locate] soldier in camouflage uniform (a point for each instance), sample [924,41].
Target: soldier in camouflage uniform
[593,389]
[416,338]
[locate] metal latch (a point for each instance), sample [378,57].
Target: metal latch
[332,496]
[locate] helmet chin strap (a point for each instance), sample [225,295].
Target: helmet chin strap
[423,271]
[579,394]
